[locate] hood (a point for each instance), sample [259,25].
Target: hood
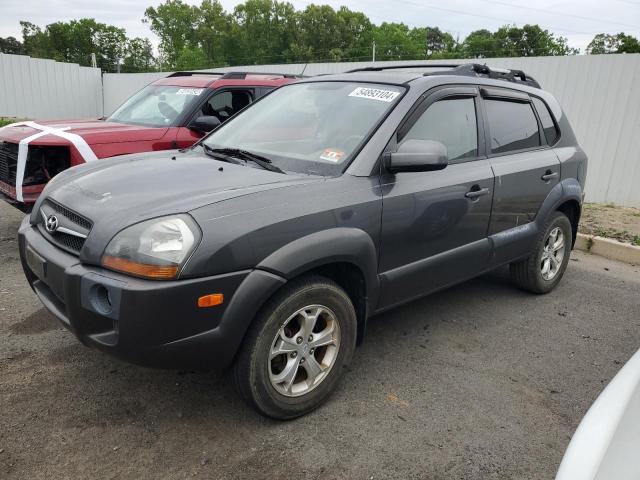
[121,191]
[94,132]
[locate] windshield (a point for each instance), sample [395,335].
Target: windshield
[156,105]
[312,128]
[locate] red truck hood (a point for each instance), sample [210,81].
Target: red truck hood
[94,132]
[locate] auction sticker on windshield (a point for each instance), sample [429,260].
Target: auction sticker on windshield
[331,155]
[375,94]
[190,91]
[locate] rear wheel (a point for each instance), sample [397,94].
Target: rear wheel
[543,270]
[296,350]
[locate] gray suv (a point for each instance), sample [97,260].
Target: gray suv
[268,245]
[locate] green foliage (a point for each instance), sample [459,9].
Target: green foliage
[175,24]
[511,41]
[11,45]
[6,121]
[620,43]
[138,56]
[272,31]
[76,40]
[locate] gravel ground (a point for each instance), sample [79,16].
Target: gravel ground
[611,221]
[480,381]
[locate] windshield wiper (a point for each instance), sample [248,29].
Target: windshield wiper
[264,162]
[213,152]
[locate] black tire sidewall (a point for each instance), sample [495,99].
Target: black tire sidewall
[264,396]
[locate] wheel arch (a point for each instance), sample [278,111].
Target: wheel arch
[565,197]
[345,255]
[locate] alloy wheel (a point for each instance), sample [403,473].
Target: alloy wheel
[304,350]
[552,254]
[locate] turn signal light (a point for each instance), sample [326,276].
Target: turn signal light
[211,300]
[158,272]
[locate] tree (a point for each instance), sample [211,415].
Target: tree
[175,24]
[192,58]
[320,29]
[479,44]
[36,42]
[110,46]
[394,42]
[530,41]
[273,31]
[264,31]
[75,41]
[11,45]
[213,32]
[138,56]
[435,41]
[356,34]
[620,43]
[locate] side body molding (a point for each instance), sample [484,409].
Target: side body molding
[342,244]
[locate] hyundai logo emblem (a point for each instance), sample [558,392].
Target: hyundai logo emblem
[51,224]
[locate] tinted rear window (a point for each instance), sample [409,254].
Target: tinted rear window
[513,126]
[548,125]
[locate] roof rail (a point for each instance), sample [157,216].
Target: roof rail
[478,70]
[464,69]
[189,74]
[412,65]
[243,75]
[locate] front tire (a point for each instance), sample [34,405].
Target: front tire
[297,348]
[544,268]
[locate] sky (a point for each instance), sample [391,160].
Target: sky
[578,20]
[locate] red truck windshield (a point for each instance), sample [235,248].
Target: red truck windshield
[156,105]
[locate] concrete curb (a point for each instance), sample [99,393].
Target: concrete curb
[608,248]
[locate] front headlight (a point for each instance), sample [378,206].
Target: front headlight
[156,248]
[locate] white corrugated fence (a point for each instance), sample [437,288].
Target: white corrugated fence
[45,89]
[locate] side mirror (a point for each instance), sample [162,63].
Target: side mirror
[417,156]
[205,123]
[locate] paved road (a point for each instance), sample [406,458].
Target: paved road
[481,381]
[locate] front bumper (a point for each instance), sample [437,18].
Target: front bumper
[153,323]
[30,193]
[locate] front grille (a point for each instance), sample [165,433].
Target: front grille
[72,216]
[69,242]
[8,162]
[67,219]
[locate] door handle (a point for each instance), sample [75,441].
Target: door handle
[473,194]
[548,175]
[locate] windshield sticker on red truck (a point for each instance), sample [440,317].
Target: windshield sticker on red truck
[331,155]
[375,94]
[190,91]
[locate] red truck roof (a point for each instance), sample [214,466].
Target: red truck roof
[215,80]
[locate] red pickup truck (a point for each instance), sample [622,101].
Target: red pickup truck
[173,112]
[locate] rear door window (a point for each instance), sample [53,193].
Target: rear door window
[512,125]
[549,127]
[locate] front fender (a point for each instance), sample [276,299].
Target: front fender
[335,245]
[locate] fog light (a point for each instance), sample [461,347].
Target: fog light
[101,300]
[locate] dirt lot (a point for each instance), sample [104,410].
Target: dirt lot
[611,221]
[481,381]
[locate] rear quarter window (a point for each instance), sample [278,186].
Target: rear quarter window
[512,125]
[551,132]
